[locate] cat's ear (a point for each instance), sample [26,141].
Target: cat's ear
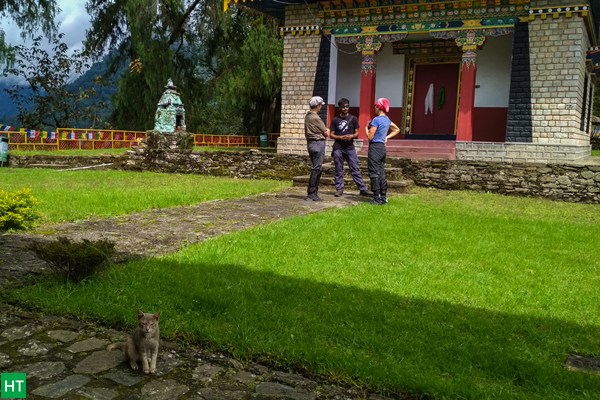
[157,316]
[140,314]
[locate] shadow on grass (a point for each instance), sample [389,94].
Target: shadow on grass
[392,343]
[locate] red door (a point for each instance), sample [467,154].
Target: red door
[434,99]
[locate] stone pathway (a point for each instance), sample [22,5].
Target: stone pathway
[161,231]
[66,359]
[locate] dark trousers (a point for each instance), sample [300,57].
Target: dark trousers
[316,151]
[347,153]
[376,164]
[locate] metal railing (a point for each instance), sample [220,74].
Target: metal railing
[91,139]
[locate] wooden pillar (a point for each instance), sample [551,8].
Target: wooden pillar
[469,43]
[368,73]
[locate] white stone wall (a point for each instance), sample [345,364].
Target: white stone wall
[521,152]
[300,55]
[558,51]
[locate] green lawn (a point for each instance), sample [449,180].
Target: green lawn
[451,295]
[74,195]
[596,153]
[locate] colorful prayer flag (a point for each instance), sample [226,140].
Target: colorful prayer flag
[6,128]
[32,134]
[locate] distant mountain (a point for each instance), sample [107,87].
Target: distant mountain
[9,112]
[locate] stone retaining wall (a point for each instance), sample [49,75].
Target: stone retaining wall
[62,162]
[239,164]
[575,183]
[568,182]
[242,164]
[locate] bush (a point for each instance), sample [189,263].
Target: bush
[75,261]
[16,210]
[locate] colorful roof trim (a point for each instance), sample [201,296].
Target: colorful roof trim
[593,55]
[361,17]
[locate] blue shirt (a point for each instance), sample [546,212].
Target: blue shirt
[382,123]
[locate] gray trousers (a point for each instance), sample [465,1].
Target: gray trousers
[339,154]
[316,151]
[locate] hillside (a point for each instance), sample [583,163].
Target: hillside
[8,111]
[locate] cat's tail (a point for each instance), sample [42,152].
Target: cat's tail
[120,346]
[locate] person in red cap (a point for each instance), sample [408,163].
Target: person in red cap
[379,130]
[315,132]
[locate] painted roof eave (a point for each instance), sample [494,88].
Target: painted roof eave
[274,8]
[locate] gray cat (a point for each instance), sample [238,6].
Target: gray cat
[143,344]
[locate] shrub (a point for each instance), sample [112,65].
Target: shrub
[75,261]
[16,210]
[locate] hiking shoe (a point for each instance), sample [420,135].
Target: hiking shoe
[378,201]
[364,193]
[339,193]
[313,197]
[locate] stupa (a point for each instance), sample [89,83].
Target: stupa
[169,131]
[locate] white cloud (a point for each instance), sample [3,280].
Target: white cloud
[73,20]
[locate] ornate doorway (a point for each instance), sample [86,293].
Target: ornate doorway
[433,100]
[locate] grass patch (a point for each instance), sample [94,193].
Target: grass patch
[452,295]
[75,195]
[595,153]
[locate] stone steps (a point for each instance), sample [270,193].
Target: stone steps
[417,149]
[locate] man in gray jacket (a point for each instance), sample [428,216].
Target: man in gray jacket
[315,132]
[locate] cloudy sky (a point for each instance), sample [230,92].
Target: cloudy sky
[73,19]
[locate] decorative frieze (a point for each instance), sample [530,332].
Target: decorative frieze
[568,11]
[300,30]
[337,14]
[429,48]
[555,12]
[369,45]
[420,27]
[361,39]
[470,40]
[368,65]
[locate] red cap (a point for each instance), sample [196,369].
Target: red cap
[383,104]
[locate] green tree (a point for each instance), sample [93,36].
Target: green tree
[30,16]
[49,102]
[256,87]
[226,65]
[152,34]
